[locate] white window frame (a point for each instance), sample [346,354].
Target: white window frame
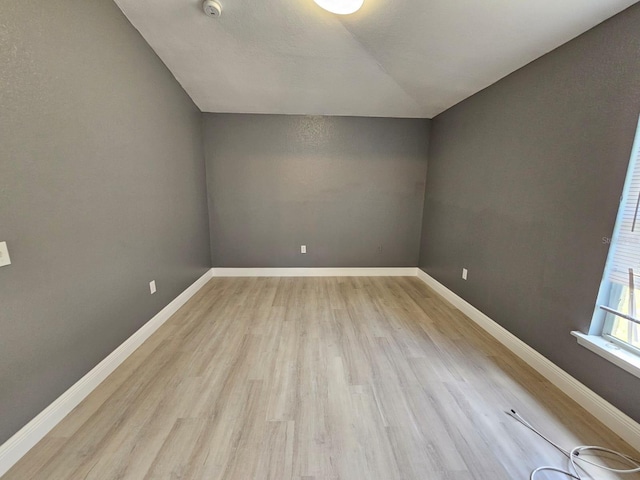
[598,340]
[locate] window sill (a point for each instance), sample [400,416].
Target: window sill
[610,351]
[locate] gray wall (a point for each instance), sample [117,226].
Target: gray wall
[101,190]
[524,181]
[351,189]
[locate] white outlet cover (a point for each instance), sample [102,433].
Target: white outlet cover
[5,259]
[152,286]
[464,273]
[303,249]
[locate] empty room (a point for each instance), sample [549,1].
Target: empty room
[319,239]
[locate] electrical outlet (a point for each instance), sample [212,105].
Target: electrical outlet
[303,249]
[4,255]
[464,273]
[152,287]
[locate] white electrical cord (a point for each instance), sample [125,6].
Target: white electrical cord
[577,453]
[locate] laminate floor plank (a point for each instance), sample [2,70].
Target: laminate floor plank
[347,378]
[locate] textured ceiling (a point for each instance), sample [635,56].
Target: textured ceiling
[394,58]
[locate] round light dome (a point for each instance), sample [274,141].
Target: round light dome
[341,7]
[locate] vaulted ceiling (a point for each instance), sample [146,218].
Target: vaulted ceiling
[393,58]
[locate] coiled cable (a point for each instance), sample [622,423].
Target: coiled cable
[577,454]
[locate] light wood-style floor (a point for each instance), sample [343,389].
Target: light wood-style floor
[315,378]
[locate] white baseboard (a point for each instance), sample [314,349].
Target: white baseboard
[316,272]
[620,423]
[20,443]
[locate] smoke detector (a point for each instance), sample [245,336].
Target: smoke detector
[212,8]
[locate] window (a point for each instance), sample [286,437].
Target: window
[618,309]
[616,320]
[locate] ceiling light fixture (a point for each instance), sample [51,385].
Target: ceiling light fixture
[341,7]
